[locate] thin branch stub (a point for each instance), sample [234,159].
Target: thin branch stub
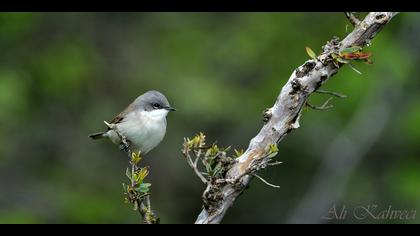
[353,19]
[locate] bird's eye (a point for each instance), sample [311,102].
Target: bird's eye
[156,105]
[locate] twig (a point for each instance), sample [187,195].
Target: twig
[339,95]
[353,19]
[322,107]
[149,217]
[265,181]
[193,165]
[274,163]
[354,68]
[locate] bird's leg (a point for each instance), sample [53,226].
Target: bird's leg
[125,143]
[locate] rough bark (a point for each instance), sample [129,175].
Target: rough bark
[283,116]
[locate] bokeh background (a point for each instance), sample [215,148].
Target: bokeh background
[62,74]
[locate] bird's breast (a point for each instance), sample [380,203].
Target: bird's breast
[144,130]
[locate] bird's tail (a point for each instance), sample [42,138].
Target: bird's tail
[97,135]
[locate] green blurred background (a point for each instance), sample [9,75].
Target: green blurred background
[62,74]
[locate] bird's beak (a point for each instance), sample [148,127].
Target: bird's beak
[170,108]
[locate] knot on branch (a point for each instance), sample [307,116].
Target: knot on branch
[331,47]
[149,216]
[211,197]
[296,85]
[268,112]
[305,69]
[382,18]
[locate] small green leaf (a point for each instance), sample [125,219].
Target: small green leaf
[273,148]
[188,143]
[135,206]
[139,175]
[217,169]
[135,158]
[310,53]
[351,49]
[354,68]
[341,60]
[136,178]
[143,188]
[202,139]
[239,153]
[198,140]
[128,173]
[212,152]
[208,167]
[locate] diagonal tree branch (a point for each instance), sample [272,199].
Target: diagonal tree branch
[284,116]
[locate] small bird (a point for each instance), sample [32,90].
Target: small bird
[142,123]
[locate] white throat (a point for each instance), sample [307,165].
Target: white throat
[154,115]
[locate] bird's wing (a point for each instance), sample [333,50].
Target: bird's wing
[120,117]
